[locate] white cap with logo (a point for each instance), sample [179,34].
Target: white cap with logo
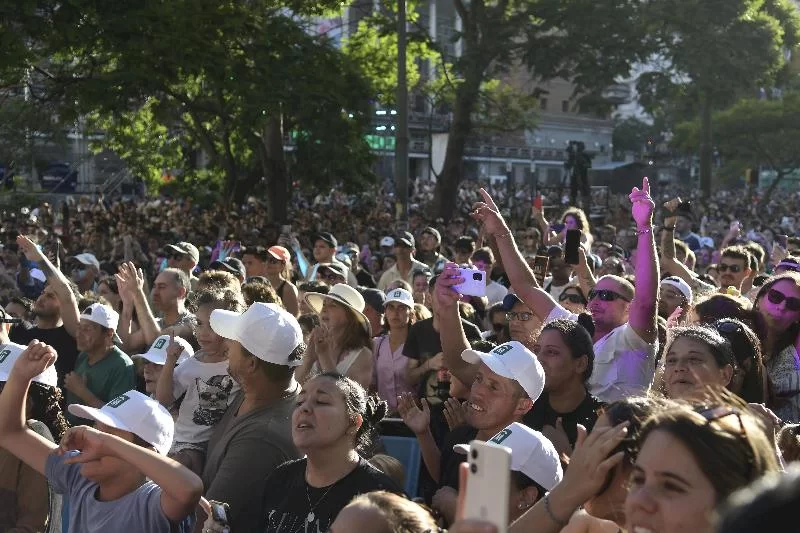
[514,361]
[401,296]
[531,453]
[157,353]
[136,413]
[10,352]
[266,330]
[101,314]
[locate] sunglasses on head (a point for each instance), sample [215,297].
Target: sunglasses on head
[775,296]
[524,316]
[725,326]
[724,267]
[572,298]
[714,414]
[606,296]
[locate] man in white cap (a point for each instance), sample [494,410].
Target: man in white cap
[56,311]
[102,371]
[265,345]
[184,256]
[535,466]
[673,293]
[117,476]
[85,271]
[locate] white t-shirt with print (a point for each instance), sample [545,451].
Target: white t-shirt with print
[209,390]
[624,364]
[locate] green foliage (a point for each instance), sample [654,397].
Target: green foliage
[631,135]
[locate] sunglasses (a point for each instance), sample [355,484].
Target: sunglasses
[522,317]
[724,326]
[713,414]
[606,296]
[724,267]
[572,298]
[775,296]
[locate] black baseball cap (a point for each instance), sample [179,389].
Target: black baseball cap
[509,301]
[404,237]
[229,264]
[374,298]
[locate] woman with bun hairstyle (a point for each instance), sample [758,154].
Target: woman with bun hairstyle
[333,424]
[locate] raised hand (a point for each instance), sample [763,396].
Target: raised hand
[590,462]
[488,214]
[558,436]
[454,413]
[174,349]
[642,204]
[446,296]
[89,441]
[30,249]
[417,419]
[36,358]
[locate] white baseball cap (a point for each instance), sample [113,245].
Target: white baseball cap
[136,413]
[681,285]
[514,361]
[387,241]
[531,453]
[265,330]
[10,352]
[401,296]
[101,314]
[157,353]
[87,259]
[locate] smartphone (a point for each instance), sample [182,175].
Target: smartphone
[557,228]
[474,282]
[537,202]
[573,243]
[540,268]
[220,514]
[488,479]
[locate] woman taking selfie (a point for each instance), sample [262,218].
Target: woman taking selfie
[778,325]
[343,342]
[333,425]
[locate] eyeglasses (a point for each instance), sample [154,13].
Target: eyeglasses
[572,297]
[724,267]
[522,317]
[606,296]
[713,414]
[775,296]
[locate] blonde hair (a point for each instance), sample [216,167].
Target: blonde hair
[422,312]
[400,515]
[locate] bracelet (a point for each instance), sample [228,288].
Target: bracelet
[644,231]
[559,523]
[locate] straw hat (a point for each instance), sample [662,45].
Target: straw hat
[344,295]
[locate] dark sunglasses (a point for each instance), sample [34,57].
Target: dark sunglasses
[724,267]
[522,317]
[725,326]
[606,296]
[775,296]
[713,414]
[573,298]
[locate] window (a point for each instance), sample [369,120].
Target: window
[565,106]
[543,104]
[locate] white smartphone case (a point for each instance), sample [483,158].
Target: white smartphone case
[488,481]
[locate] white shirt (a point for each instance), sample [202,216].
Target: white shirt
[495,293]
[624,364]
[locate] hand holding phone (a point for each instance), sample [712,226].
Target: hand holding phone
[474,282]
[573,242]
[540,265]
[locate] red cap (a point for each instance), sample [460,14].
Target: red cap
[279,252]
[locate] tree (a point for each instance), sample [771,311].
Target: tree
[581,40]
[754,134]
[712,52]
[234,80]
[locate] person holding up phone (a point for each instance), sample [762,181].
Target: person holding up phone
[625,336]
[117,475]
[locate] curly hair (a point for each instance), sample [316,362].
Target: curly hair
[256,291]
[580,217]
[46,408]
[358,402]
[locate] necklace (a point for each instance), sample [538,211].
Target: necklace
[310,518]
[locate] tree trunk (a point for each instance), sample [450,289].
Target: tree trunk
[446,193]
[706,145]
[275,172]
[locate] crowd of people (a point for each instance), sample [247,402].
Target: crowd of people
[168,367]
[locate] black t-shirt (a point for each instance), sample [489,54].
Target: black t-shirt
[450,459]
[423,342]
[289,501]
[58,338]
[543,415]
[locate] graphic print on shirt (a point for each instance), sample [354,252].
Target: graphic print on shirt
[212,399]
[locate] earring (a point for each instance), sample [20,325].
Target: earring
[522,505]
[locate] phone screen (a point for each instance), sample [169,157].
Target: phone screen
[571,254]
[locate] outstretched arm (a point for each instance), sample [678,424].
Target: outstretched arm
[644,307]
